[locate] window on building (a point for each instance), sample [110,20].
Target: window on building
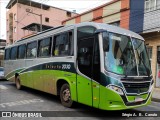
[21,51]
[44,49]
[7,54]
[68,14]
[15,17]
[32,50]
[15,29]
[13,53]
[46,19]
[158,4]
[62,44]
[149,49]
[150,5]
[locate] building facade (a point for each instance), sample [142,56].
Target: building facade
[2,45]
[25,17]
[117,12]
[151,33]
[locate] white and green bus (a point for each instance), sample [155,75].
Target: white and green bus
[96,64]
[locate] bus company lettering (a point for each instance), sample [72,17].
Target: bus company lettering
[63,66]
[53,66]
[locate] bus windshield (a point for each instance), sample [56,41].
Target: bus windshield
[141,57]
[122,54]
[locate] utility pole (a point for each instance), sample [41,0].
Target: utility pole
[40,15]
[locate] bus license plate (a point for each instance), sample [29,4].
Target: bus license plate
[138,99]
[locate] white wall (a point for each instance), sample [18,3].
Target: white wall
[3,4]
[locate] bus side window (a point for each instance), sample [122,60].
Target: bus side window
[32,50]
[21,51]
[7,54]
[44,49]
[61,45]
[13,53]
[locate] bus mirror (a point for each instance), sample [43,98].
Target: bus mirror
[105,45]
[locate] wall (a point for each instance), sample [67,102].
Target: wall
[151,21]
[153,40]
[106,13]
[136,15]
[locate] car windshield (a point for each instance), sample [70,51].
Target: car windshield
[120,57]
[1,69]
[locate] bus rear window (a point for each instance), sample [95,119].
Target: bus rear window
[7,54]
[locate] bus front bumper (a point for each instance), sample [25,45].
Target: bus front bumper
[114,101]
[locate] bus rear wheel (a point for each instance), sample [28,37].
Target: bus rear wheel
[65,96]
[18,83]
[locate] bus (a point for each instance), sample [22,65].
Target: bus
[96,64]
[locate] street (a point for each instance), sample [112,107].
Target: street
[31,100]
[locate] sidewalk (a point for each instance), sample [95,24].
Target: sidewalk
[156,95]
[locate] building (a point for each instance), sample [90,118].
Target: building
[2,45]
[0,20]
[151,33]
[24,17]
[117,12]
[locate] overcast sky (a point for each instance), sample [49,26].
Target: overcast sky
[78,5]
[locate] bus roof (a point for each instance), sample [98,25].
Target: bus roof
[110,28]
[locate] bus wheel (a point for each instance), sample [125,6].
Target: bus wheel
[18,83]
[65,96]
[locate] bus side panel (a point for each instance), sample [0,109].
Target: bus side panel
[13,66]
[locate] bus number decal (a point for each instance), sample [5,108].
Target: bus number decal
[66,66]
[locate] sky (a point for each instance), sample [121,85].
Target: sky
[79,5]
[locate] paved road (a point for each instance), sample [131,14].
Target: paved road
[27,99]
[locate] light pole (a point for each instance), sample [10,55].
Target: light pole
[40,15]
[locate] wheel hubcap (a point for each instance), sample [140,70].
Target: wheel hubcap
[66,95]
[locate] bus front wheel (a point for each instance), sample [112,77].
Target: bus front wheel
[65,96]
[18,83]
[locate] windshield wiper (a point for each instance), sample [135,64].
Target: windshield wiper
[143,64]
[125,67]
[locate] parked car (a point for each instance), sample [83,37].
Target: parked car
[2,73]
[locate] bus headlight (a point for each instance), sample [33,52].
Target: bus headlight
[116,89]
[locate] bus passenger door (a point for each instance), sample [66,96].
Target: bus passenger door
[87,88]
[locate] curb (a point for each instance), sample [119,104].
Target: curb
[155,99]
